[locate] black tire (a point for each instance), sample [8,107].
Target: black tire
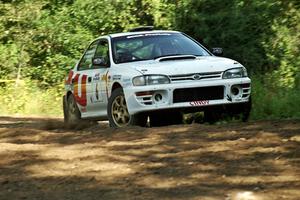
[139,120]
[212,116]
[65,108]
[247,110]
[117,112]
[165,118]
[240,111]
[72,116]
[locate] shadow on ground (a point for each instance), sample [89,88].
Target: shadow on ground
[256,160]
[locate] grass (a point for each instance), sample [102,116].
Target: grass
[28,98]
[274,102]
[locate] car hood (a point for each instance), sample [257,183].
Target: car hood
[186,66]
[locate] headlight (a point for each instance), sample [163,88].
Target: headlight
[235,73]
[150,80]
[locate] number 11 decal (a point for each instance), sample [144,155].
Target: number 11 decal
[96,95]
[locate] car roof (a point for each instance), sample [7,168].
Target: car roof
[114,35]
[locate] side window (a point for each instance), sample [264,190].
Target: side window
[86,61]
[102,52]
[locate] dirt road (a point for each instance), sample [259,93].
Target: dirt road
[244,161]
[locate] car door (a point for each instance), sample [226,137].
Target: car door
[98,95]
[82,79]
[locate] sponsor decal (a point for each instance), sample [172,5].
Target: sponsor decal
[116,77]
[96,77]
[126,80]
[199,103]
[148,34]
[69,77]
[106,83]
[104,77]
[80,93]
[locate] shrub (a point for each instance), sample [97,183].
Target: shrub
[28,98]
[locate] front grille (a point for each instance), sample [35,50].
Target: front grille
[198,94]
[199,76]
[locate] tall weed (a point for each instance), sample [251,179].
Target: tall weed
[272,101]
[28,98]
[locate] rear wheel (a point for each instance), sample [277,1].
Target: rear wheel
[118,114]
[72,115]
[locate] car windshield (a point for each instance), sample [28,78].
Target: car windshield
[154,45]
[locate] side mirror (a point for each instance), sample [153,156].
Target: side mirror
[217,51]
[99,61]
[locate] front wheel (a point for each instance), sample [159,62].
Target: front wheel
[240,111]
[246,110]
[118,114]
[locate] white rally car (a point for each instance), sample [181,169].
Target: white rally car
[128,78]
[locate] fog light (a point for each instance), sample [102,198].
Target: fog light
[235,91]
[158,97]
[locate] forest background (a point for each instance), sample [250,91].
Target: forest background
[40,40]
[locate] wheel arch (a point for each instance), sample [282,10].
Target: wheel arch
[68,94]
[115,86]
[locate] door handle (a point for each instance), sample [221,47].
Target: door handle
[89,79]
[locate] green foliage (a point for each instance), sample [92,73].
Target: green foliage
[271,101]
[284,49]
[16,30]
[238,26]
[9,60]
[42,40]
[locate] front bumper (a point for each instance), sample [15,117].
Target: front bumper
[144,98]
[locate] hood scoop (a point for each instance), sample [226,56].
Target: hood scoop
[177,57]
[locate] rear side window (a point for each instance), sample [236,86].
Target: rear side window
[86,61]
